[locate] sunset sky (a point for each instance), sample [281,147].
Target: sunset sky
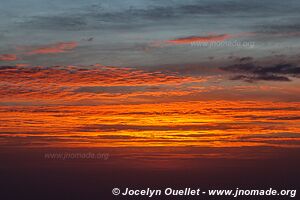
[137,73]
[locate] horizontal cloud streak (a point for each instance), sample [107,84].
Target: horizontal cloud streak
[60,47]
[8,57]
[199,39]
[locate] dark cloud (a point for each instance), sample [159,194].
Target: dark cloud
[252,72]
[288,27]
[245,59]
[268,117]
[264,77]
[63,22]
[271,135]
[7,67]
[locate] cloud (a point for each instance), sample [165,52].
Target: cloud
[8,57]
[98,16]
[95,75]
[72,83]
[289,27]
[88,18]
[56,22]
[209,38]
[264,77]
[200,123]
[125,127]
[119,90]
[60,47]
[22,65]
[251,71]
[271,135]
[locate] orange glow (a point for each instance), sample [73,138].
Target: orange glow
[104,106]
[201,124]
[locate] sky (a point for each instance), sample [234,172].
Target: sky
[209,73]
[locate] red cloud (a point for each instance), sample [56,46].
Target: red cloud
[209,38]
[8,57]
[60,47]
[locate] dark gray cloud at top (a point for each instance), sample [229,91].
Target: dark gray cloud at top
[126,13]
[124,32]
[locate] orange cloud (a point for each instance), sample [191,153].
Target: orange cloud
[8,57]
[90,76]
[94,83]
[209,38]
[60,47]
